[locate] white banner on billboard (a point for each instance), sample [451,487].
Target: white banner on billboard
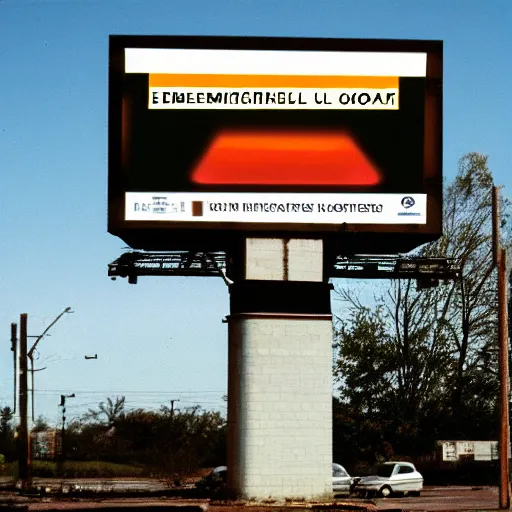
[274,62]
[287,208]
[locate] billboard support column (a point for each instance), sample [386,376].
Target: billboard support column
[280,372]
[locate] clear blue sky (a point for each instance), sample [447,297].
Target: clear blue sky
[163,339]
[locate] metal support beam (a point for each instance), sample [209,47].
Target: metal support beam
[428,271]
[177,263]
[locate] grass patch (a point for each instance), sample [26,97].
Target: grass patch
[78,469]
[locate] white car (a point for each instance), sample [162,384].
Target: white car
[341,480]
[391,477]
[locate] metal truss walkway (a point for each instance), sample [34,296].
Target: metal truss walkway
[428,271]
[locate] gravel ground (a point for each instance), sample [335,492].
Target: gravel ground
[434,499]
[446,499]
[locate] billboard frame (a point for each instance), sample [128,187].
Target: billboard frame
[342,238]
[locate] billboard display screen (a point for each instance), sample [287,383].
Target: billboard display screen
[213,138]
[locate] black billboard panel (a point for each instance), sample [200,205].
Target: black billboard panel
[215,138]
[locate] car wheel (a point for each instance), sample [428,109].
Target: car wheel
[385,491]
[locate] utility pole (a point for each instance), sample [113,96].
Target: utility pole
[63,430]
[500,260]
[14,349]
[172,407]
[24,465]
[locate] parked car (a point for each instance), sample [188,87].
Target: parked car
[217,479]
[341,480]
[390,477]
[214,484]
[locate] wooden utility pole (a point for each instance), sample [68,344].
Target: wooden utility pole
[24,466]
[500,260]
[14,348]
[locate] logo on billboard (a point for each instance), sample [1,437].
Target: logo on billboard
[408,202]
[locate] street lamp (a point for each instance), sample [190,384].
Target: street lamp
[24,458]
[31,353]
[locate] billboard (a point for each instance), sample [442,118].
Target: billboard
[212,139]
[46,444]
[474,450]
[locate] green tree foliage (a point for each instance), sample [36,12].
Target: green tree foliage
[7,444]
[421,365]
[171,442]
[40,425]
[108,413]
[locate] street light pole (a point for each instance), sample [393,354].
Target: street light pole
[30,354]
[23,440]
[39,338]
[32,399]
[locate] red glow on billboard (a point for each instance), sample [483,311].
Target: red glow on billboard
[285,158]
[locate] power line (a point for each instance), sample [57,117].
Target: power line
[120,392]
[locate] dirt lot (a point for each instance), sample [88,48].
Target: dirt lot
[432,499]
[446,499]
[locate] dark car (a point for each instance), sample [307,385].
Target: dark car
[215,482]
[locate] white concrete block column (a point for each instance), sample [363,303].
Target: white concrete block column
[284,260]
[280,375]
[280,406]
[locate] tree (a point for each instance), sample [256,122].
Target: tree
[169,442]
[363,368]
[473,312]
[428,357]
[40,425]
[6,416]
[390,363]
[7,445]
[107,413]
[192,438]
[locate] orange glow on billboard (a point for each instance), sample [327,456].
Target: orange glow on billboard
[285,158]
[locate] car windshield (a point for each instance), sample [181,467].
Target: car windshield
[385,469]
